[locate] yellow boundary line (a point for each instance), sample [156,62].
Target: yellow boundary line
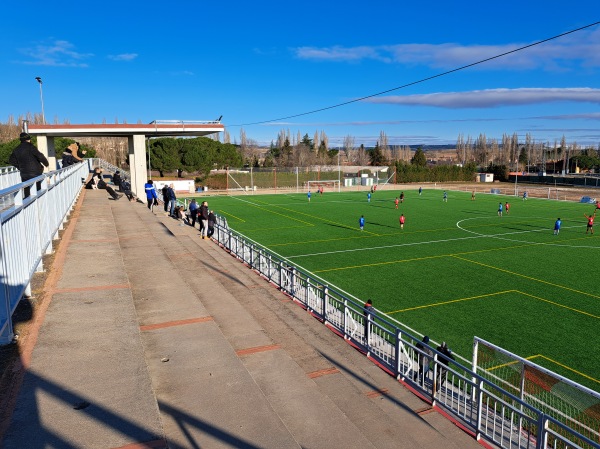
[531,357]
[277,213]
[324,220]
[449,302]
[568,368]
[423,258]
[527,277]
[492,368]
[493,294]
[231,215]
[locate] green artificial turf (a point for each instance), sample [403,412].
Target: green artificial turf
[456,270]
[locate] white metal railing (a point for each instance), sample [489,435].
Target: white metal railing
[485,409]
[28,225]
[9,176]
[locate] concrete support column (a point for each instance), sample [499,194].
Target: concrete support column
[137,164]
[46,146]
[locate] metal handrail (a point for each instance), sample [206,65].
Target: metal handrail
[28,226]
[486,409]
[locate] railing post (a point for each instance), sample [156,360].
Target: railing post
[542,434]
[478,392]
[325,295]
[398,352]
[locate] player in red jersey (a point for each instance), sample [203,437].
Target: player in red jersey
[590,223]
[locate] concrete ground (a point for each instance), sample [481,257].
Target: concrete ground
[155,338]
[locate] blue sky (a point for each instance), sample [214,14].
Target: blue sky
[264,61]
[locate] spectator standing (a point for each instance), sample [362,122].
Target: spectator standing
[172,200]
[165,193]
[28,159]
[444,359]
[151,194]
[212,219]
[423,359]
[203,212]
[193,208]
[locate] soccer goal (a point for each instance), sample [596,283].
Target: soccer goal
[327,185]
[565,400]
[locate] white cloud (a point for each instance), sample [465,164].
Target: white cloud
[58,53]
[582,47]
[123,57]
[494,97]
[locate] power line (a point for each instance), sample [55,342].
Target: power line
[423,79]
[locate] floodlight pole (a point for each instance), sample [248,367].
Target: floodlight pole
[339,173]
[39,80]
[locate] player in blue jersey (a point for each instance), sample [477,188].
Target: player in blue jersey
[308,195]
[500,209]
[361,222]
[557,224]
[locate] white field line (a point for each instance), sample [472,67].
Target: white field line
[476,236]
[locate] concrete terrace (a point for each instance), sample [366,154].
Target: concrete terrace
[155,338]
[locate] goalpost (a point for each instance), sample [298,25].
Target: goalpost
[330,184]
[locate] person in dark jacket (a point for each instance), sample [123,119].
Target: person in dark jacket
[212,219]
[193,209]
[151,195]
[203,219]
[117,179]
[97,182]
[28,159]
[165,194]
[67,158]
[423,359]
[172,200]
[444,360]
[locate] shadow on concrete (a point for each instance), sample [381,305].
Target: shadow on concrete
[371,386]
[41,437]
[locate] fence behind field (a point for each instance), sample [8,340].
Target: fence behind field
[28,225]
[487,410]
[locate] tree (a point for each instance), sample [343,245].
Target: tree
[419,158]
[164,154]
[362,156]
[377,156]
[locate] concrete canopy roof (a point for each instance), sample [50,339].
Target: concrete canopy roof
[155,129]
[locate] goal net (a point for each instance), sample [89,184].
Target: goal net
[326,185]
[549,392]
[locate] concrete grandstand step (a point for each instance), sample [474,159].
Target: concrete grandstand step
[364,392]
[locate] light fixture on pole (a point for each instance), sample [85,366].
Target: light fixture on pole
[39,80]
